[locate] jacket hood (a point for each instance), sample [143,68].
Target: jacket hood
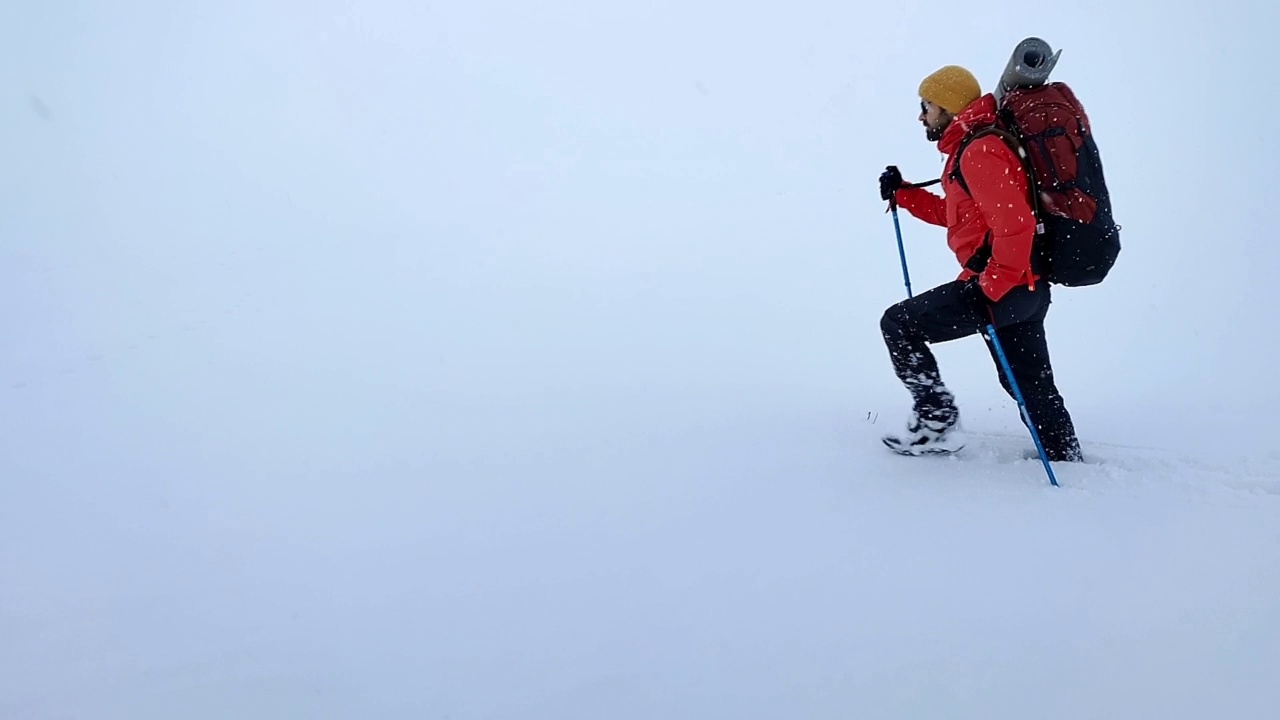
[978,114]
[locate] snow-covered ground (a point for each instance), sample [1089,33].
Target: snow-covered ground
[501,360]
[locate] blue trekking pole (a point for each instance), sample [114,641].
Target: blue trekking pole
[1022,405]
[902,253]
[897,227]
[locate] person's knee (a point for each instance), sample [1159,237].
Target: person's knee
[894,321]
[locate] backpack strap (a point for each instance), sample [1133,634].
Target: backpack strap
[956,175]
[1019,152]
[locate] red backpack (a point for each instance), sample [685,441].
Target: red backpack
[1077,241]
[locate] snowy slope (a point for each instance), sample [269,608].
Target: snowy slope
[376,360]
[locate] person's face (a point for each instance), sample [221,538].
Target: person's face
[934,119]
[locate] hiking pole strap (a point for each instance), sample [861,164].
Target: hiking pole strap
[924,184]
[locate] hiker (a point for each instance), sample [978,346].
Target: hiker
[991,226]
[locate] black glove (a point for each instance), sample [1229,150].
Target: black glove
[890,182]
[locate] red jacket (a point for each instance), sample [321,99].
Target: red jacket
[999,203]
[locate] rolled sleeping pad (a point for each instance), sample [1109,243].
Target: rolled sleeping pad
[1029,66]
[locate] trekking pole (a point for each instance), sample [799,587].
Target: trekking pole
[1022,405]
[897,229]
[902,253]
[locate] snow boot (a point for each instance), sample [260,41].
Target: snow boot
[937,433]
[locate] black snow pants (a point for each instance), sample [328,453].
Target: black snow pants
[945,313]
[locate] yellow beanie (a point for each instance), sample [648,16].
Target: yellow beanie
[952,88]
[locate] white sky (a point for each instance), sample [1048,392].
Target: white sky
[279,281]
